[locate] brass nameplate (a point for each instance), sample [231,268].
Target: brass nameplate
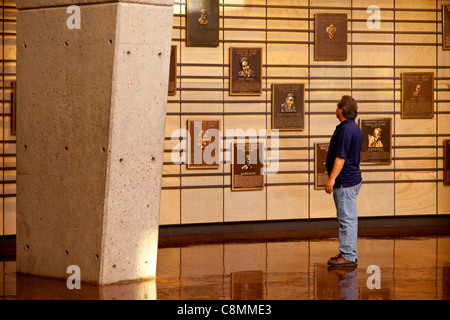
[288,106]
[446,26]
[247,167]
[245,71]
[202,23]
[320,162]
[330,36]
[377,141]
[446,162]
[417,95]
[173,71]
[204,146]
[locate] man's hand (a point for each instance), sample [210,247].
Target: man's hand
[329,185]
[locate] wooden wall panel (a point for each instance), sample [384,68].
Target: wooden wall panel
[409,39]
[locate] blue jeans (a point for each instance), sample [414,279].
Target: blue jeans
[345,201]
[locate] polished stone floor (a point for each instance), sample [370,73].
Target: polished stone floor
[405,268]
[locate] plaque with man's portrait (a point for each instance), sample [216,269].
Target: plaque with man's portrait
[320,165]
[446,26]
[330,36]
[377,141]
[245,71]
[204,146]
[247,167]
[417,95]
[288,106]
[202,23]
[446,162]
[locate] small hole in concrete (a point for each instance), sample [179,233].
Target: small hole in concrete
[67,252]
[25,45]
[27,247]
[114,266]
[25,146]
[103,149]
[120,160]
[110,41]
[159,54]
[66,44]
[66,147]
[96,256]
[153,159]
[146,261]
[128,52]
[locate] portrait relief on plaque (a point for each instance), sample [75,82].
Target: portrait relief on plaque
[417,95]
[320,165]
[247,167]
[288,105]
[245,71]
[330,36]
[446,26]
[204,146]
[202,23]
[377,141]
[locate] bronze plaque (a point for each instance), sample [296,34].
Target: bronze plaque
[245,71]
[288,106]
[417,95]
[330,36]
[320,161]
[377,141]
[446,162]
[446,26]
[247,167]
[204,147]
[173,71]
[13,108]
[202,23]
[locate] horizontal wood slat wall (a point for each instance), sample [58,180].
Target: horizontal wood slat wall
[409,40]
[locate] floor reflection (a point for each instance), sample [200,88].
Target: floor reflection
[409,268]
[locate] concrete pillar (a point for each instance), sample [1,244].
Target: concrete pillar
[90,131]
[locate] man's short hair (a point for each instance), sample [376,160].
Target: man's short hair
[349,106]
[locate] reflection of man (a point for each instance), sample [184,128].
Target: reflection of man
[246,71]
[375,139]
[248,163]
[289,104]
[344,180]
[203,17]
[416,92]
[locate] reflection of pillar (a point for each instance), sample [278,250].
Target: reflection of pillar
[90,130]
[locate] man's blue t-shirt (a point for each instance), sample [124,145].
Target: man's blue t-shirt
[346,143]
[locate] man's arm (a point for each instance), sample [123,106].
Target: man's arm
[337,167]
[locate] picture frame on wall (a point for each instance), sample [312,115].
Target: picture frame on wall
[247,167]
[330,36]
[446,26]
[288,106]
[172,88]
[204,144]
[417,95]
[320,165]
[13,108]
[377,141]
[202,23]
[245,71]
[446,162]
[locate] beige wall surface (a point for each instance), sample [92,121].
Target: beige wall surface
[409,40]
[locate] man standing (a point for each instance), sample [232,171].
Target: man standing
[345,180]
